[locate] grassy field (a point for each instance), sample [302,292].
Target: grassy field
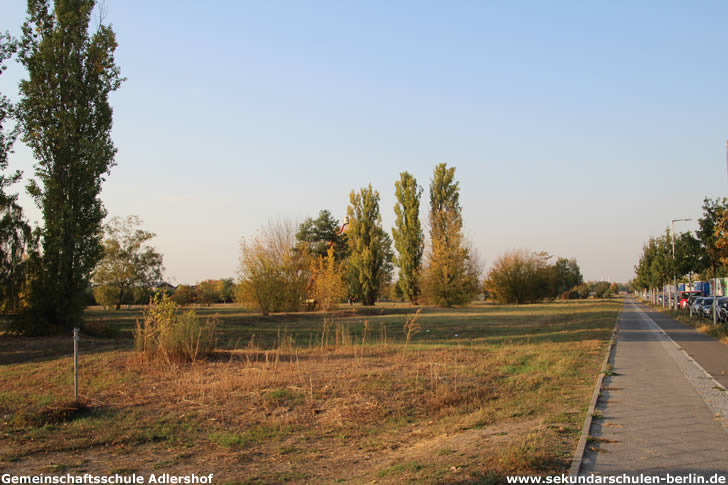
[477,393]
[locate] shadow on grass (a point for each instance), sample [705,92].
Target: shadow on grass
[61,413]
[17,349]
[480,324]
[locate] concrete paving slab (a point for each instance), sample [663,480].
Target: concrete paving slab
[658,416]
[709,353]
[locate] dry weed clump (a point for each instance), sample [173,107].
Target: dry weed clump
[167,333]
[532,454]
[412,327]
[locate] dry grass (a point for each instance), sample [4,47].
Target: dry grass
[350,404]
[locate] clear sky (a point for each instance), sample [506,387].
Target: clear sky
[577,128]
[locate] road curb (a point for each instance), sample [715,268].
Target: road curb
[581,446]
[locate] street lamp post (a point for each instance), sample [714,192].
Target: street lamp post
[674,274]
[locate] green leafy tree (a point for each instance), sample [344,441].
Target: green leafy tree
[520,277]
[452,275]
[567,275]
[66,120]
[662,262]
[128,265]
[657,266]
[208,292]
[227,290]
[601,289]
[371,247]
[395,293]
[709,235]
[107,296]
[644,275]
[687,255]
[721,235]
[409,240]
[583,290]
[641,279]
[15,233]
[317,234]
[184,295]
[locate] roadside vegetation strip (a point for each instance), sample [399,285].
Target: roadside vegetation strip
[586,429]
[702,325]
[488,391]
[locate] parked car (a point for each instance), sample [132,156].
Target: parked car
[723,309]
[693,302]
[686,298]
[719,300]
[698,305]
[707,306]
[693,299]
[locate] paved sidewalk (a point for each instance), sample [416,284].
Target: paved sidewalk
[708,352]
[655,421]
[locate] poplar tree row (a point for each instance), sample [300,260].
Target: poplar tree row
[446,275]
[325,264]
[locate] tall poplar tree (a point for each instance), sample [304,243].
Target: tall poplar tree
[66,120]
[409,240]
[371,248]
[452,274]
[15,233]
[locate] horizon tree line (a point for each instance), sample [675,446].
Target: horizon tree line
[699,255]
[65,118]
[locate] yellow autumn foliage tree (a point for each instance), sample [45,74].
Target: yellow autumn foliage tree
[721,235]
[328,286]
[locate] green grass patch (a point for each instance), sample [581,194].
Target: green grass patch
[254,435]
[285,397]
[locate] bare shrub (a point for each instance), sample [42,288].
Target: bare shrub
[273,276]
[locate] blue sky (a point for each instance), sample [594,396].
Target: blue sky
[577,128]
